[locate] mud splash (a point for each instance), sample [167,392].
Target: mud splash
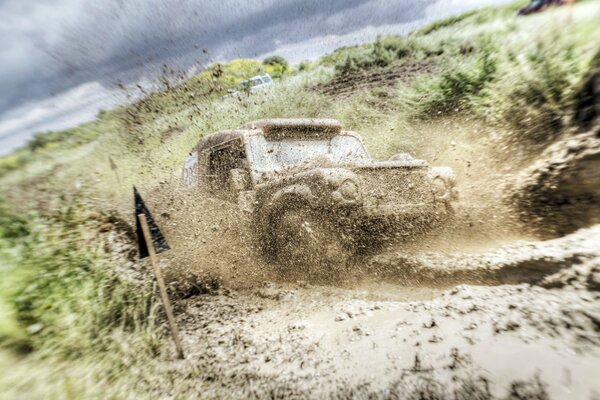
[398,325]
[534,262]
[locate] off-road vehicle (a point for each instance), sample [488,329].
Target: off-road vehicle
[313,193]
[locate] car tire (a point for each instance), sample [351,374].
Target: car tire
[307,243]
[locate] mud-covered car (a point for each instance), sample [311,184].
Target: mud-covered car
[313,192]
[540,5]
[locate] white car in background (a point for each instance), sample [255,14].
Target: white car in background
[256,83]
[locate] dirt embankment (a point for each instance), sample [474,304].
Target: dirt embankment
[347,85]
[560,191]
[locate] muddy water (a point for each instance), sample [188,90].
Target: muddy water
[397,316]
[381,340]
[317,338]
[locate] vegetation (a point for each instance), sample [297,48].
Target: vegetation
[443,23]
[276,66]
[382,53]
[63,293]
[535,94]
[60,294]
[455,89]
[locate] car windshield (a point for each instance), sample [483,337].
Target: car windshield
[250,83]
[277,155]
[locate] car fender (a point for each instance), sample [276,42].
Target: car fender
[290,196]
[284,198]
[449,177]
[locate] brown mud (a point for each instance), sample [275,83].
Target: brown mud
[473,310]
[372,338]
[347,85]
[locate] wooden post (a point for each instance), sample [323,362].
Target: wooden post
[161,285]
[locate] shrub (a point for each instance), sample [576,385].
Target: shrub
[340,54]
[38,141]
[348,67]
[399,46]
[12,226]
[304,66]
[276,66]
[11,163]
[535,94]
[383,52]
[455,89]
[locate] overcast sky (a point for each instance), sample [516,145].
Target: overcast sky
[60,60]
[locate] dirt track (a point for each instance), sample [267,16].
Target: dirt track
[512,317]
[347,85]
[386,339]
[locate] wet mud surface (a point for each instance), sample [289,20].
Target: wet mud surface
[510,318]
[373,338]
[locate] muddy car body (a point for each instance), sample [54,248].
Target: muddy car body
[306,183]
[540,5]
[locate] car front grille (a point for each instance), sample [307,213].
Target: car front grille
[394,187]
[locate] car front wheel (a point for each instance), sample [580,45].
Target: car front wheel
[308,243]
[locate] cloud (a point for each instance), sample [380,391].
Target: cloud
[51,47]
[71,108]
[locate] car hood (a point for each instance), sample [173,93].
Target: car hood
[318,167]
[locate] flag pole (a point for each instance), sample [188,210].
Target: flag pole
[161,285]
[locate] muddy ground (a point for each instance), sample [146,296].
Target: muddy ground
[498,303]
[347,85]
[459,313]
[485,307]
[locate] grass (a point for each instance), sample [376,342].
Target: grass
[454,89]
[536,93]
[446,22]
[73,319]
[61,295]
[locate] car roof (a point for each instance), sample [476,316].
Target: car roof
[217,138]
[275,128]
[294,123]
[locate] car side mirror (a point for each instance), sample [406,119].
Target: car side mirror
[407,159]
[240,179]
[402,157]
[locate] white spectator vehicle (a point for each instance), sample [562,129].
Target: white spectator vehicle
[256,83]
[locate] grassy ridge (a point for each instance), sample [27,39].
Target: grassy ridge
[63,293]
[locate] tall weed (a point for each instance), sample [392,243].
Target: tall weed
[533,95]
[62,289]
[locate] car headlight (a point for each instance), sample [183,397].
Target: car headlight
[440,188]
[348,190]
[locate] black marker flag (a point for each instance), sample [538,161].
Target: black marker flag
[159,241]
